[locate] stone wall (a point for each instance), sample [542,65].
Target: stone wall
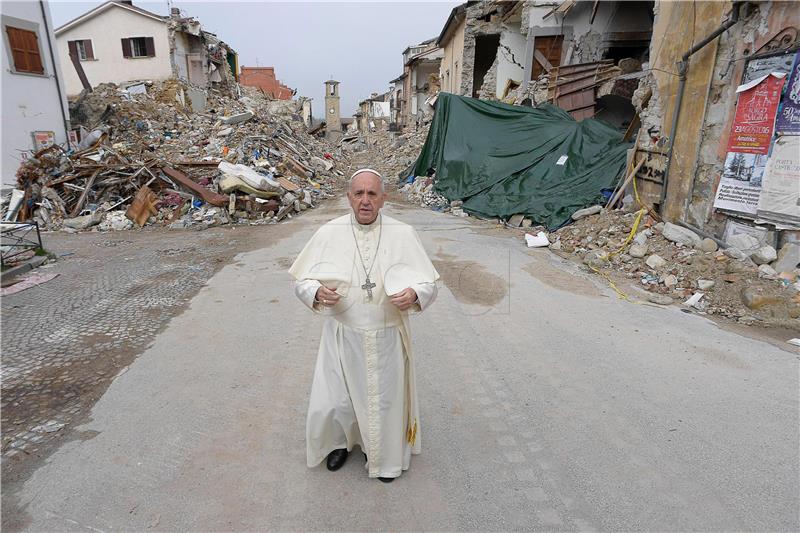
[474,27]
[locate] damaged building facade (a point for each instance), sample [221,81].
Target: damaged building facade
[417,85]
[694,105]
[118,42]
[264,78]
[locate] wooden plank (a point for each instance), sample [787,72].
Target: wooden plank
[207,195]
[288,185]
[143,205]
[542,60]
[84,194]
[76,62]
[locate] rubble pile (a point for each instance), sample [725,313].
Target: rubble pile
[746,281]
[397,152]
[421,192]
[164,153]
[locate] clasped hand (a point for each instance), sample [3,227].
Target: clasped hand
[403,300]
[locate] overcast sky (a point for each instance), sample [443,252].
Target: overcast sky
[360,44]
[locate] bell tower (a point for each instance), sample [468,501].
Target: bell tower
[333,118]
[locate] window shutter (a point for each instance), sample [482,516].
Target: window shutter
[73,48]
[16,41]
[126,48]
[88,47]
[150,46]
[34,59]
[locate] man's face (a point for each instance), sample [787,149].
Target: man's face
[366,197]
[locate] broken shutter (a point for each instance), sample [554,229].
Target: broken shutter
[73,48]
[149,47]
[126,48]
[87,47]
[24,46]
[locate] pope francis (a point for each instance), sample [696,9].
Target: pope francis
[364,272]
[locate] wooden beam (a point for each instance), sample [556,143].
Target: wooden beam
[76,62]
[539,56]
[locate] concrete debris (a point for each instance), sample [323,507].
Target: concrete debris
[655,261]
[637,250]
[188,156]
[788,257]
[238,118]
[767,272]
[588,211]
[765,254]
[680,235]
[744,242]
[735,253]
[709,245]
[665,268]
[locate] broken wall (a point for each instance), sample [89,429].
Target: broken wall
[667,47]
[747,37]
[510,57]
[189,57]
[480,22]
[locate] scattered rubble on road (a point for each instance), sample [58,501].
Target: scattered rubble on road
[149,157]
[674,264]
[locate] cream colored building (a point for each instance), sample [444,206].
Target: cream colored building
[116,42]
[451,41]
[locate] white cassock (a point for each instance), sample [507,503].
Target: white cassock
[364,392]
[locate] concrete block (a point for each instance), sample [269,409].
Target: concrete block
[679,234]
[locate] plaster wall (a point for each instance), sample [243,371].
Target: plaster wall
[452,60]
[510,57]
[666,50]
[186,44]
[30,102]
[743,39]
[106,30]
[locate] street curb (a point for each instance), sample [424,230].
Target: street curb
[30,264]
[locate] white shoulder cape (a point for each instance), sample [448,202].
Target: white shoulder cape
[330,256]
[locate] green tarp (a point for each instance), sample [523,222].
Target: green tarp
[503,160]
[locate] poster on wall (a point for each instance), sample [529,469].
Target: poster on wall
[756,108]
[740,185]
[43,139]
[788,121]
[779,202]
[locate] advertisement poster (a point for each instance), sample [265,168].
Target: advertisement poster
[43,139]
[779,203]
[755,114]
[788,122]
[740,185]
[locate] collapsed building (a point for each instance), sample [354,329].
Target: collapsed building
[117,42]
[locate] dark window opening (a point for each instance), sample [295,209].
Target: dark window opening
[82,49]
[138,47]
[485,52]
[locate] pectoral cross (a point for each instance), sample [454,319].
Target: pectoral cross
[368,286]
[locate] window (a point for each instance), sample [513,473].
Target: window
[138,47]
[82,49]
[24,46]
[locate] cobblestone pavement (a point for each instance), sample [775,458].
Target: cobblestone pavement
[64,341]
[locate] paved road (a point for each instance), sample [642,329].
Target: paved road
[546,404]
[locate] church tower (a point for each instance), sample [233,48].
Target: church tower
[333,118]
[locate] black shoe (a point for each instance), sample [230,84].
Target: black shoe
[386,479]
[365,457]
[336,459]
